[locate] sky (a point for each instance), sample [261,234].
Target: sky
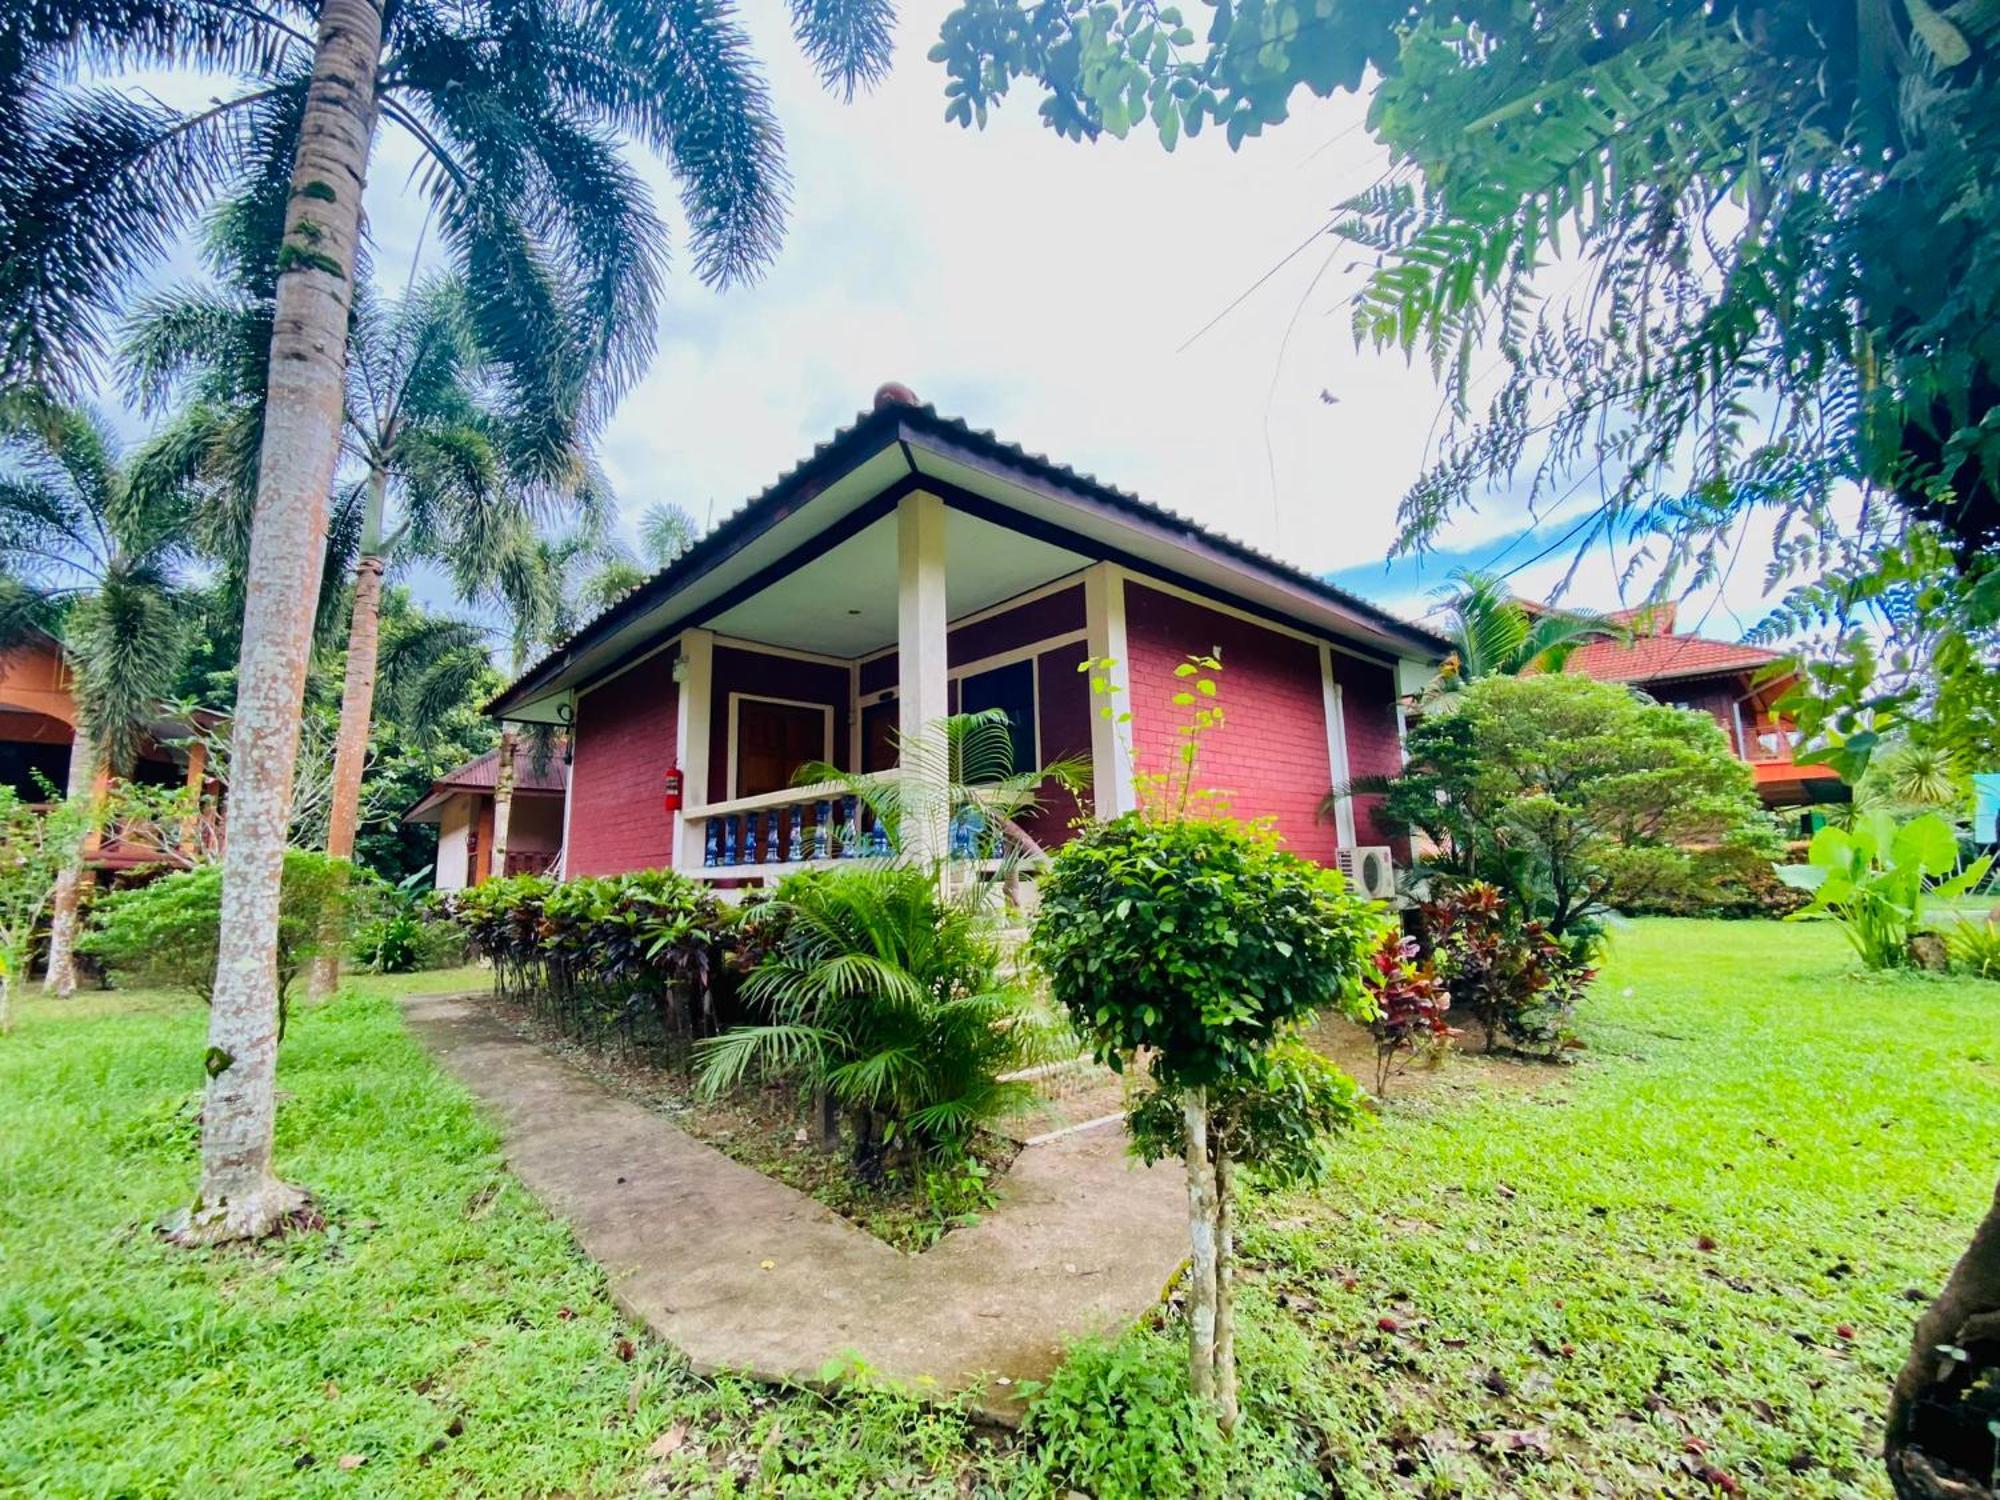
[1176,324]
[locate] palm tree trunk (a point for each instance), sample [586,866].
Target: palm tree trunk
[240,1196]
[61,977]
[1938,1444]
[503,802]
[357,715]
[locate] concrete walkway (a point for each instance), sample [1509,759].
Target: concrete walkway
[745,1274]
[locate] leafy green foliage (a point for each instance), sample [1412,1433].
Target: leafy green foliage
[405,932]
[891,997]
[1734,879]
[519,116]
[1116,1420]
[1494,634]
[1277,1116]
[99,557]
[167,931]
[1536,783]
[1877,877]
[632,955]
[1506,972]
[1199,942]
[1520,135]
[35,843]
[1975,948]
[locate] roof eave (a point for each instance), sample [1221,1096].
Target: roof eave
[888,424]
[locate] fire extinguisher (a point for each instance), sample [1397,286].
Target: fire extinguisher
[672,799]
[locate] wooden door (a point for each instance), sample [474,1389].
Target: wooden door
[773,740]
[878,736]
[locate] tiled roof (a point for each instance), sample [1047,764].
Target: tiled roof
[894,406]
[1654,658]
[482,772]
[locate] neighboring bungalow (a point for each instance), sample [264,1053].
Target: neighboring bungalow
[1727,681]
[461,805]
[37,728]
[911,567]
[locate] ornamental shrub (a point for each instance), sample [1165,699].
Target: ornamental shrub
[1727,880]
[1411,1002]
[1206,947]
[1509,974]
[167,931]
[889,1000]
[1877,877]
[1540,784]
[1200,942]
[637,958]
[1277,1118]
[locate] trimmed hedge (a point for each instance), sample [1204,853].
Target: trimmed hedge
[639,958]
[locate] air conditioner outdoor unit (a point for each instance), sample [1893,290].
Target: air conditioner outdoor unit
[1371,869]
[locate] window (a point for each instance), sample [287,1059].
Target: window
[1011,689]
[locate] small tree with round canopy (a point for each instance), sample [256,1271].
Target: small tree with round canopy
[1206,947]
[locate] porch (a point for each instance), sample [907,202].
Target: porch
[922,612]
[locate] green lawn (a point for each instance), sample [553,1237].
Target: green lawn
[1693,1249]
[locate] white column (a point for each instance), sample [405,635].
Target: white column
[694,687]
[1336,748]
[922,692]
[1111,788]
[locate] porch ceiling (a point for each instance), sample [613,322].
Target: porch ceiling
[843,602]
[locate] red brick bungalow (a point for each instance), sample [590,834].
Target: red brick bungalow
[912,567]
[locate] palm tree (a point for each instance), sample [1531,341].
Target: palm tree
[1493,634]
[97,556]
[461,477]
[888,998]
[516,109]
[960,774]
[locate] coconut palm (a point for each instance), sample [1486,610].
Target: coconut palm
[517,110]
[1493,634]
[97,557]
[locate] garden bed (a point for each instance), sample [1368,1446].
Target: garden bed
[769,1128]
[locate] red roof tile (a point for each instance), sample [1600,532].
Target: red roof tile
[482,774]
[1654,658]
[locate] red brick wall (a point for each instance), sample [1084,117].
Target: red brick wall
[1270,753]
[625,736]
[1368,707]
[738,670]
